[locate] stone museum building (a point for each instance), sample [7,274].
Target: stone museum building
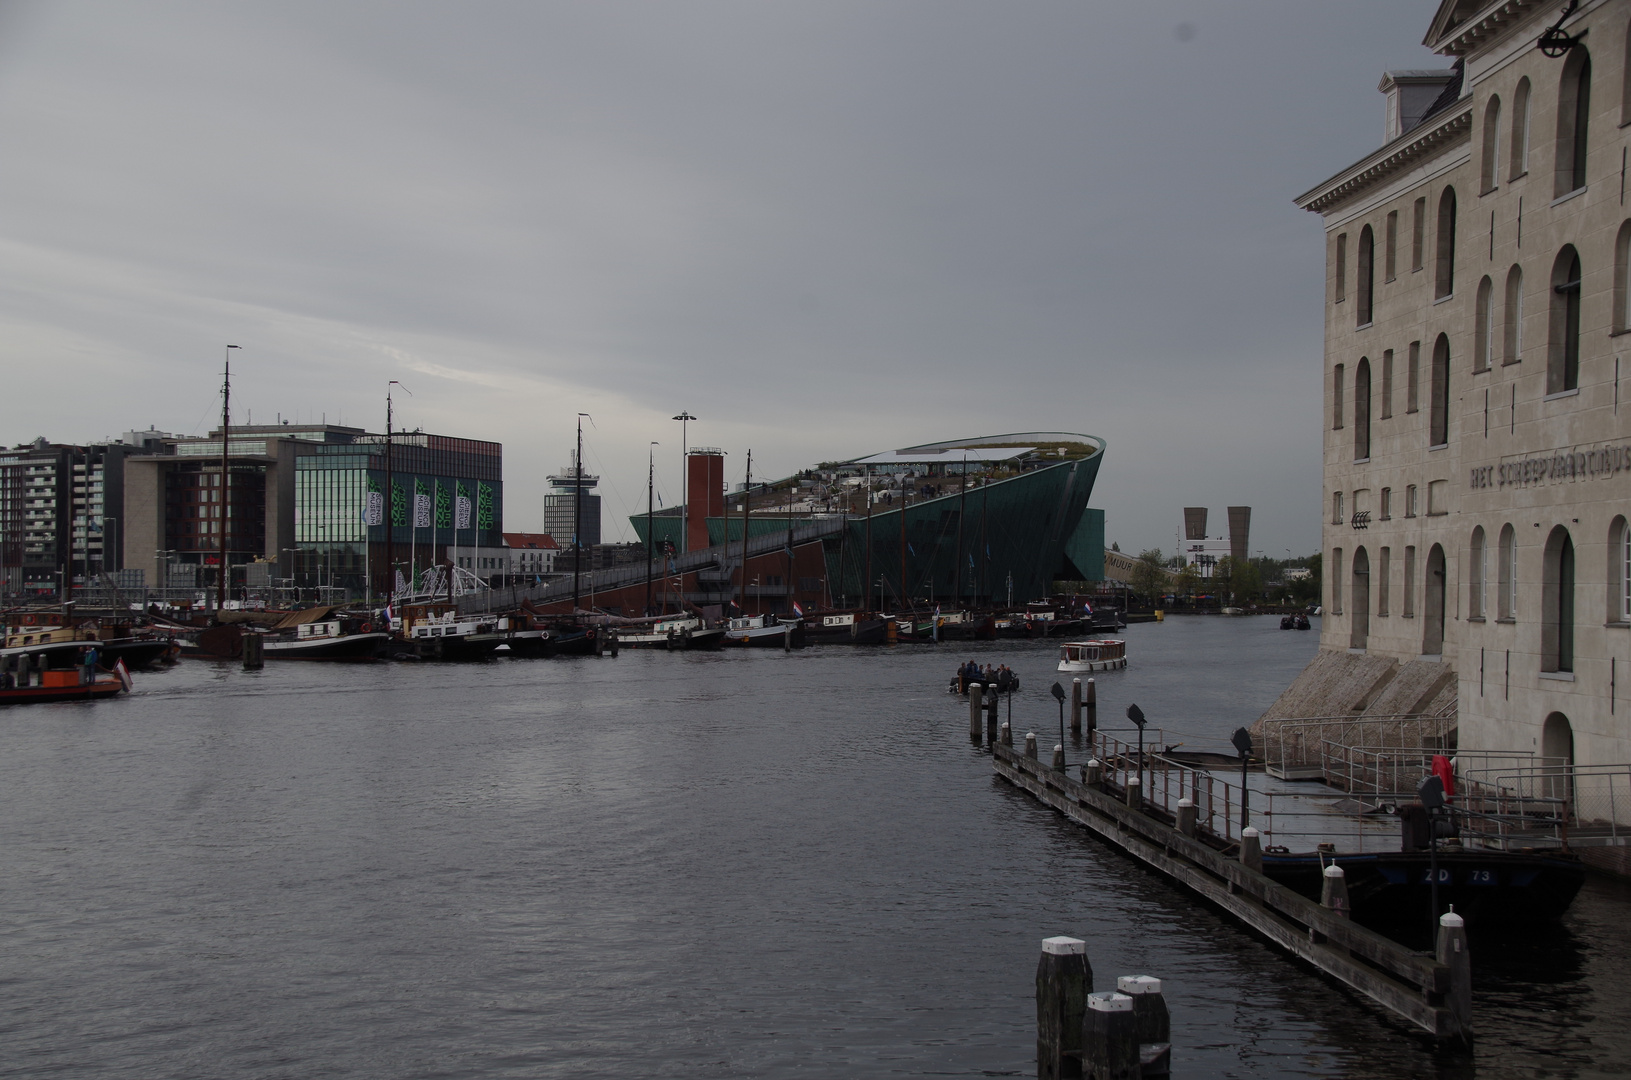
[1477,433]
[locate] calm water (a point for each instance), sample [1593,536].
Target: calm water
[732,864]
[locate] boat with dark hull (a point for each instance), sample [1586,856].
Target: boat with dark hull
[330,640]
[60,645]
[672,633]
[845,628]
[765,632]
[1487,888]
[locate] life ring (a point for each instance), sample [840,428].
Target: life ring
[28,620]
[367,628]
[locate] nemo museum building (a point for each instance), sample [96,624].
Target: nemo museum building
[962,523]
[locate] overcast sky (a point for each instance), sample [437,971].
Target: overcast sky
[825,228]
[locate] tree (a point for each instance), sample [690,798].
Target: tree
[1148,579]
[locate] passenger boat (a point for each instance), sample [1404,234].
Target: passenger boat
[765,631]
[330,639]
[676,632]
[435,631]
[62,684]
[845,628]
[959,684]
[1098,654]
[1487,888]
[60,645]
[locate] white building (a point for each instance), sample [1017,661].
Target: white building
[1478,301]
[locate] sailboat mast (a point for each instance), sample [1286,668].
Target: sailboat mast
[747,494]
[791,485]
[651,481]
[390,495]
[226,476]
[577,517]
[962,507]
[868,545]
[902,596]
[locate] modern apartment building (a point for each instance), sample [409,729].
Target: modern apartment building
[1477,451]
[60,514]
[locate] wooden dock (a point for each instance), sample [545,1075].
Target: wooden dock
[1415,987]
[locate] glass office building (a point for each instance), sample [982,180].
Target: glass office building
[442,492]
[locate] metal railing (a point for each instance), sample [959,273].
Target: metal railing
[1291,744]
[1165,781]
[1553,802]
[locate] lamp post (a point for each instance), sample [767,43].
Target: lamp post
[685,419]
[1242,740]
[1136,715]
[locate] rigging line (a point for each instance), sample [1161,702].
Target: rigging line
[622,533]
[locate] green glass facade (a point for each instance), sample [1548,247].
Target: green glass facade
[332,485]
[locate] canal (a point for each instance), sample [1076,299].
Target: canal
[715,865]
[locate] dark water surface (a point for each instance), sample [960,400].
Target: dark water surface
[732,864]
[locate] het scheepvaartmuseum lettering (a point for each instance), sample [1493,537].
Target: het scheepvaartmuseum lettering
[1559,467]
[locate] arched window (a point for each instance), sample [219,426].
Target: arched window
[1336,398]
[1563,351]
[1444,263]
[1519,153]
[1619,571]
[1507,574]
[1362,410]
[1512,317]
[1432,638]
[1365,274]
[1557,603]
[1438,412]
[1573,114]
[1622,279]
[1484,326]
[1489,176]
[1475,575]
[1359,631]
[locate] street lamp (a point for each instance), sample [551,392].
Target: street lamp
[684,418]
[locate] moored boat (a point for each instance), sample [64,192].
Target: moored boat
[71,684]
[673,632]
[1096,654]
[845,628]
[761,632]
[331,639]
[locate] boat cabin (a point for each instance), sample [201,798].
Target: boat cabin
[1103,654]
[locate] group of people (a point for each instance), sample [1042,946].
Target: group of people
[1000,677]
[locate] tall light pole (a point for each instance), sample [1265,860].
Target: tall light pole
[684,418]
[651,524]
[390,495]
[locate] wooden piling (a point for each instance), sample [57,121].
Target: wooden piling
[254,656]
[1152,1024]
[1334,891]
[1030,745]
[1058,757]
[1186,816]
[787,636]
[1453,954]
[1251,849]
[1093,772]
[1092,704]
[1064,978]
[1075,706]
[1109,1039]
[1007,735]
[976,700]
[1135,794]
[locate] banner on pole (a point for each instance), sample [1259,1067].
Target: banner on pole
[461,509]
[421,510]
[373,508]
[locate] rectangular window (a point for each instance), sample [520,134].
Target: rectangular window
[1412,379]
[1383,579]
[1336,581]
[1387,384]
[1409,581]
[1342,268]
[1336,398]
[1390,246]
[1418,232]
[1410,500]
[1386,512]
[1336,508]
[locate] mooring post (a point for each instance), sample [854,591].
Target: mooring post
[1030,745]
[1334,891]
[1109,1038]
[1007,735]
[1075,706]
[1134,794]
[1186,816]
[1152,1024]
[1063,980]
[1251,849]
[1092,706]
[1093,772]
[787,637]
[1453,954]
[254,659]
[1058,757]
[976,700]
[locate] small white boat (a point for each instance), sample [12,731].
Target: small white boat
[765,631]
[1100,654]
